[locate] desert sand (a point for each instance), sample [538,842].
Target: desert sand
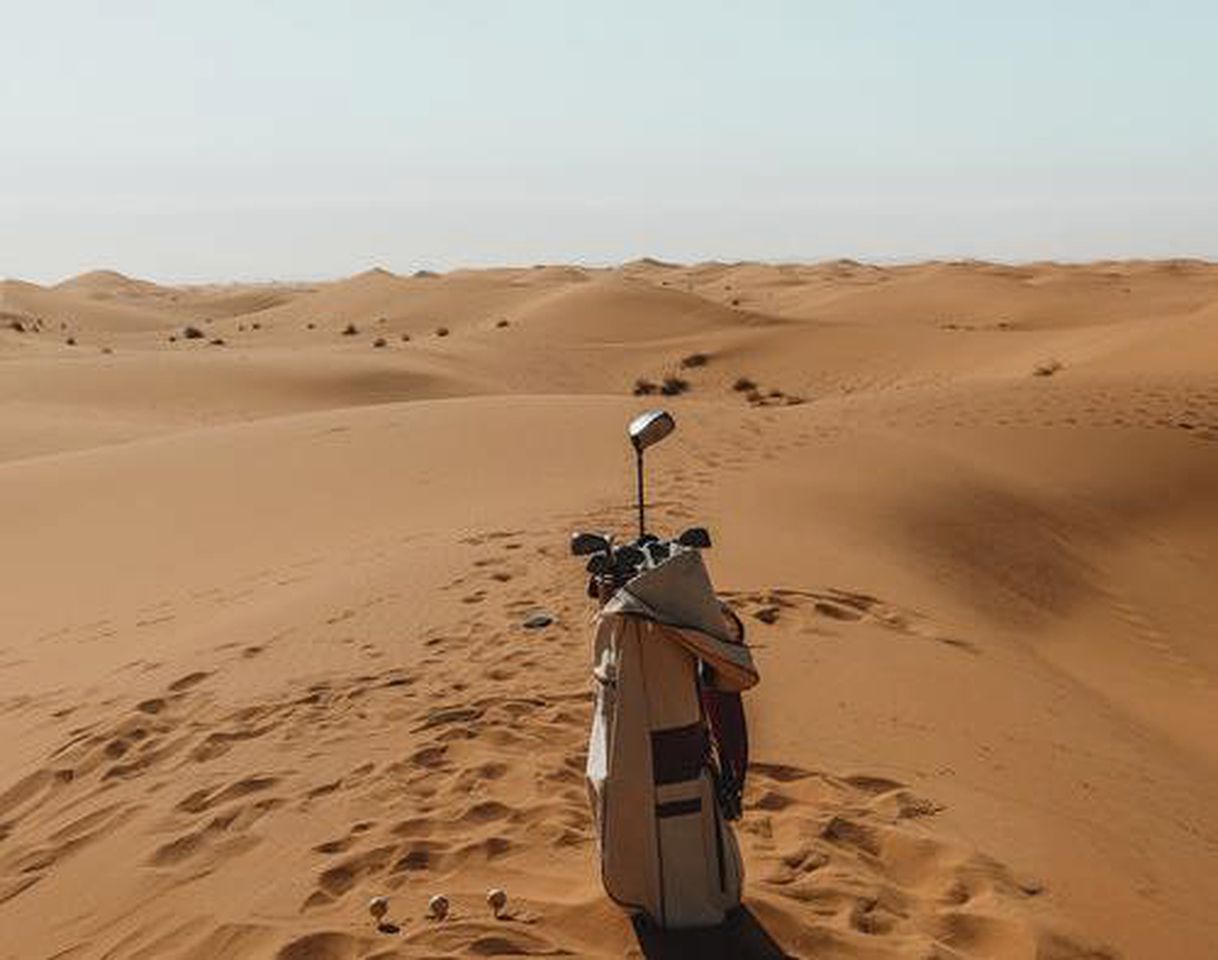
[261,643]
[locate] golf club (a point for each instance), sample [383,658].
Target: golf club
[697,537]
[598,564]
[658,552]
[584,544]
[645,430]
[626,561]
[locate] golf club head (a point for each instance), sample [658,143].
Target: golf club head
[626,562]
[697,537]
[650,428]
[657,552]
[599,563]
[583,544]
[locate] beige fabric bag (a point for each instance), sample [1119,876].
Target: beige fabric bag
[665,847]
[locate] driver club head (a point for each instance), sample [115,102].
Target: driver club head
[583,544]
[650,428]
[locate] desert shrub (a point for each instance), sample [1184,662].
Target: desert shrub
[441,331]
[1047,369]
[71,341]
[17,325]
[107,350]
[192,333]
[502,323]
[673,386]
[743,385]
[735,301]
[644,387]
[775,393]
[405,338]
[310,326]
[257,326]
[754,396]
[350,330]
[218,342]
[380,342]
[694,360]
[173,338]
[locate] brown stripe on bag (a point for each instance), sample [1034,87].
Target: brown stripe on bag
[679,808]
[678,753]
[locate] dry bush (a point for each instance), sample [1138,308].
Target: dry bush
[192,333]
[644,387]
[694,360]
[380,342]
[441,331]
[1047,369]
[743,385]
[673,386]
[350,330]
[502,323]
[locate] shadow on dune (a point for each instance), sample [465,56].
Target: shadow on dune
[739,937]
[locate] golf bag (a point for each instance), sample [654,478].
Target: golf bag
[668,750]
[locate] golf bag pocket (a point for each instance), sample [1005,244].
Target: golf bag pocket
[696,875]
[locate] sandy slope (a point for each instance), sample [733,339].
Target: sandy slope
[262,654]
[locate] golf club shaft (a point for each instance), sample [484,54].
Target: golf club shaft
[638,460]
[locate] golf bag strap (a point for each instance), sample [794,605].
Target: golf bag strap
[730,738]
[729,734]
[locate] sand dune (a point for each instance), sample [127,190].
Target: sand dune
[105,284]
[64,313]
[263,654]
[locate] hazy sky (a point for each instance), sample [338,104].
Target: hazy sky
[204,140]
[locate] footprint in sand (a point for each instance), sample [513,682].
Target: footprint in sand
[187,682]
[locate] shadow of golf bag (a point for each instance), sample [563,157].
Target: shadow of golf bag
[668,751]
